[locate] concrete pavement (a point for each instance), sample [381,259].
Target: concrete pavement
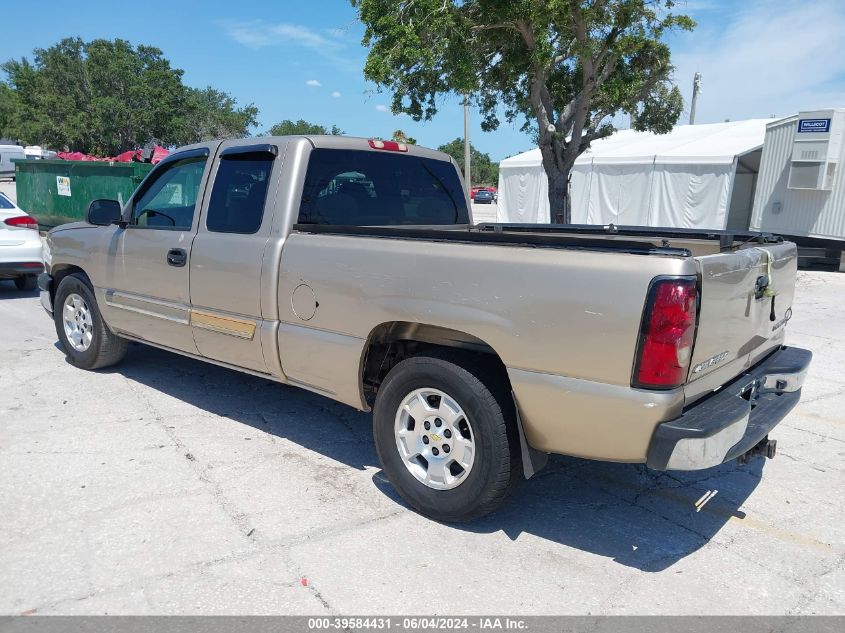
[169,486]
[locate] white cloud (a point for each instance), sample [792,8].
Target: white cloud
[336,94]
[258,34]
[382,108]
[765,58]
[313,82]
[338,33]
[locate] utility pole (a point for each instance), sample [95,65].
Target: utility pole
[466,143]
[696,89]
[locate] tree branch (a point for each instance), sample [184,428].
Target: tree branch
[527,34]
[490,27]
[598,117]
[602,58]
[594,135]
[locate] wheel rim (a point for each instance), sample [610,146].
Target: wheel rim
[78,322]
[434,438]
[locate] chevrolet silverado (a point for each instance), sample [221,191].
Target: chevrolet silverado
[352,268]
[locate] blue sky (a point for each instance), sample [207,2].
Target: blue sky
[304,59]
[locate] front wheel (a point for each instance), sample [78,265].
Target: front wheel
[446,436]
[84,336]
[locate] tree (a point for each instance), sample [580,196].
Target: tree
[302,128]
[108,96]
[483,170]
[566,66]
[211,114]
[400,137]
[8,105]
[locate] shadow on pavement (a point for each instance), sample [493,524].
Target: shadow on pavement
[310,420]
[637,517]
[9,291]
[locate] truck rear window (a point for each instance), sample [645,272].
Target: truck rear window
[360,188]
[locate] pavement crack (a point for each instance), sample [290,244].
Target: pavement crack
[239,519]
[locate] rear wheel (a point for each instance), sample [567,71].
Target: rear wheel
[446,436]
[84,336]
[26,282]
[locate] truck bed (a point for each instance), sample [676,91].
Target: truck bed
[735,326]
[633,240]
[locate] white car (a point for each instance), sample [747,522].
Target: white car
[20,246]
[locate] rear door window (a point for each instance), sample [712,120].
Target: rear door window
[361,188]
[239,192]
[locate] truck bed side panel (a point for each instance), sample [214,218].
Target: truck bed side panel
[543,311]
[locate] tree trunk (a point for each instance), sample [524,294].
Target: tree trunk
[559,208]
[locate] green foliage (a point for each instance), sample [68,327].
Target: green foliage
[483,170]
[8,105]
[212,114]
[302,128]
[564,67]
[400,137]
[107,96]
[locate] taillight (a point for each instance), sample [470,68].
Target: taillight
[23,222]
[667,335]
[390,146]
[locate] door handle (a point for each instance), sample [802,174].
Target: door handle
[177,257]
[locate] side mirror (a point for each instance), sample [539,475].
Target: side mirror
[103,212]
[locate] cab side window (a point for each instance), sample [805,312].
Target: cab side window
[169,201]
[239,192]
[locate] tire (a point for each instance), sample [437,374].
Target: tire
[27,282]
[484,399]
[104,348]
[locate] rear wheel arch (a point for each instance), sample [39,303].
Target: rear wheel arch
[391,342]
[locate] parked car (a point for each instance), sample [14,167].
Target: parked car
[479,349]
[484,196]
[478,188]
[20,246]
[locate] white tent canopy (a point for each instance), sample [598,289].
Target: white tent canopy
[684,179]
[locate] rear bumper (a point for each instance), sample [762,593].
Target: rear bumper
[45,285]
[10,270]
[732,421]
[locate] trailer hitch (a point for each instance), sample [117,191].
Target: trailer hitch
[764,448]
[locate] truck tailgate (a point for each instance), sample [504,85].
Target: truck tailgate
[746,300]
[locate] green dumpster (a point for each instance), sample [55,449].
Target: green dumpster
[58,191]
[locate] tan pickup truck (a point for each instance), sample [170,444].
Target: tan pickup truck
[352,268]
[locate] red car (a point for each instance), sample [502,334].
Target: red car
[490,189]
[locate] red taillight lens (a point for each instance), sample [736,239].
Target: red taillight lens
[667,336]
[23,222]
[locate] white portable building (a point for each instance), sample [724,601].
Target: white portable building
[801,187]
[696,176]
[8,153]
